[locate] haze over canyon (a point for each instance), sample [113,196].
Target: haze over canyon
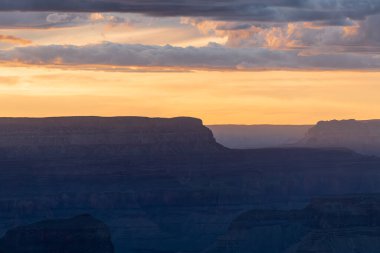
[256,138]
[166,185]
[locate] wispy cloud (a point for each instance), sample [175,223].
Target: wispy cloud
[14,40]
[8,80]
[213,56]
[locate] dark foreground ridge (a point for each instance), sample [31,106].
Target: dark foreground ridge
[343,224]
[81,234]
[161,185]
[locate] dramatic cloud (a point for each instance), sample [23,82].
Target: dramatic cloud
[332,11]
[351,36]
[44,20]
[14,40]
[259,34]
[211,57]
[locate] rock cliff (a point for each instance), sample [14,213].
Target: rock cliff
[346,224]
[360,136]
[77,136]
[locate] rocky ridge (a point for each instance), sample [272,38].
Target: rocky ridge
[343,224]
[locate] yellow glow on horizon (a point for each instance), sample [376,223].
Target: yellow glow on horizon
[271,97]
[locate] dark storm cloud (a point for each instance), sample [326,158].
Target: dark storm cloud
[250,10]
[211,57]
[45,20]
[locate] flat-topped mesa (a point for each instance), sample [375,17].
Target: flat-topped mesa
[76,235]
[360,136]
[123,135]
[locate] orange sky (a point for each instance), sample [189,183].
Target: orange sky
[273,97]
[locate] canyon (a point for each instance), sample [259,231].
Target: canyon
[161,185]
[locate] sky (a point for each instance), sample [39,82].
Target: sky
[236,62]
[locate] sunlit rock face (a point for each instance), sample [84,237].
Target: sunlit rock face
[346,224]
[360,136]
[81,234]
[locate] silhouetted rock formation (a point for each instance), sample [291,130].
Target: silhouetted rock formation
[360,136]
[165,185]
[86,136]
[348,224]
[82,234]
[258,136]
